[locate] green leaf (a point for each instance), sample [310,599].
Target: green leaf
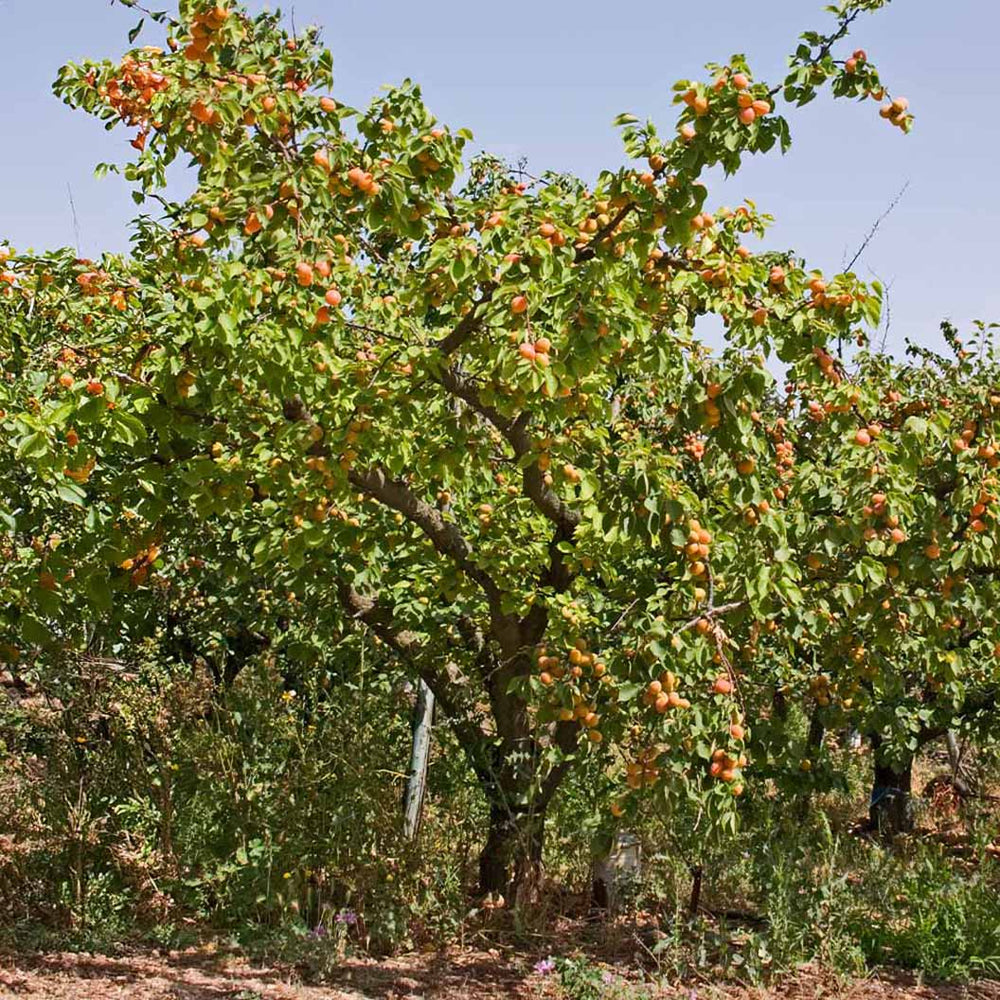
[71,493]
[34,445]
[99,590]
[629,690]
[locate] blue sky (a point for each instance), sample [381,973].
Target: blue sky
[545,81]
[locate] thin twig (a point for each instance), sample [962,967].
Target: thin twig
[874,229]
[76,221]
[624,614]
[722,609]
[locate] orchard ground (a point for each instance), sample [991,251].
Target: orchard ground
[567,942]
[205,974]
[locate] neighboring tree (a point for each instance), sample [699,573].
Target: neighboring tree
[896,483]
[468,415]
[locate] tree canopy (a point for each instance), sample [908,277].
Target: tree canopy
[358,379]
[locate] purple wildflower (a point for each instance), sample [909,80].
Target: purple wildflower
[545,966]
[608,978]
[346,917]
[318,932]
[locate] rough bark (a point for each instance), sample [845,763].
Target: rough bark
[511,859]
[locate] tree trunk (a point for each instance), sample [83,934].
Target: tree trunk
[814,743]
[413,798]
[891,809]
[695,901]
[511,860]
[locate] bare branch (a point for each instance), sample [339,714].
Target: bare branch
[874,229]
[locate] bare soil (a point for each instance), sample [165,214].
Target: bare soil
[202,974]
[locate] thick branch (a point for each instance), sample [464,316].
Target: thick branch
[515,432]
[444,535]
[408,646]
[974,705]
[566,736]
[469,323]
[588,251]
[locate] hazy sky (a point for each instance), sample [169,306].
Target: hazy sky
[544,81]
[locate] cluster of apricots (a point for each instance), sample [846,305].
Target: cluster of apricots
[896,112]
[823,298]
[877,509]
[694,445]
[320,511]
[582,667]
[662,694]
[425,162]
[445,229]
[131,92]
[962,442]
[784,457]
[581,662]
[306,275]
[752,514]
[713,415]
[864,436]
[537,352]
[988,453]
[728,769]
[364,181]
[820,688]
[748,107]
[642,772]
[551,232]
[596,221]
[204,28]
[138,566]
[827,365]
[92,282]
[980,510]
[655,270]
[697,548]
[859,58]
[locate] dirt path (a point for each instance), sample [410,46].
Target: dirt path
[469,975]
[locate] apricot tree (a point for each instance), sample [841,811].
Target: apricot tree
[457,405]
[896,635]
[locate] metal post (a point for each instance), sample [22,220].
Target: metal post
[413,799]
